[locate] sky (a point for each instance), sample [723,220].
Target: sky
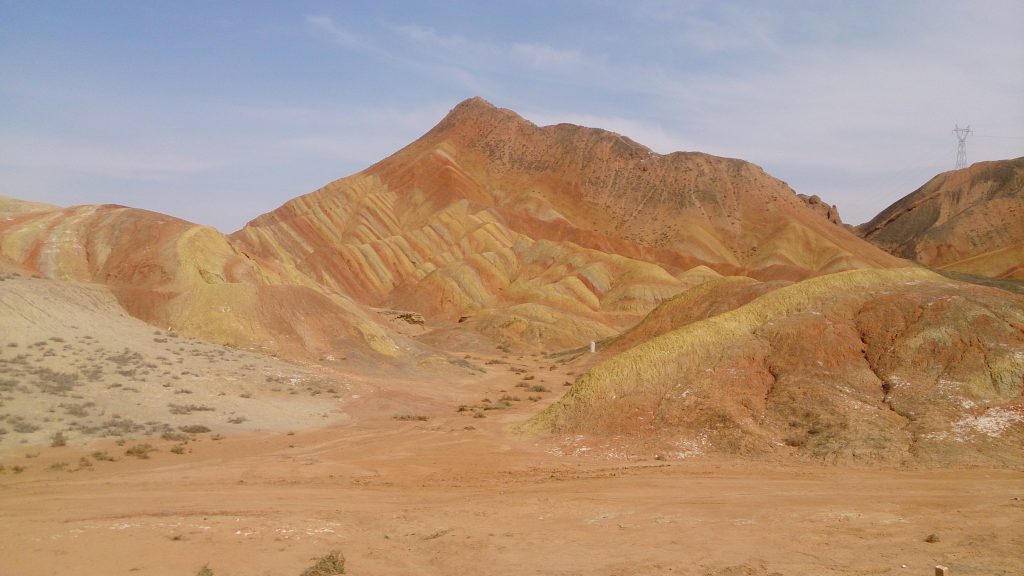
[216,112]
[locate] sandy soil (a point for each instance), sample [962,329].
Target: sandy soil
[444,492]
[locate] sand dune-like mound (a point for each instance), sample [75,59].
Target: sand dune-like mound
[969,221]
[873,365]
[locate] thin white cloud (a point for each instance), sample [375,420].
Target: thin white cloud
[711,27]
[467,63]
[430,37]
[544,57]
[328,28]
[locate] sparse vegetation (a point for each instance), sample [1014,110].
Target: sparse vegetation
[188,408]
[140,451]
[77,410]
[102,456]
[418,417]
[329,565]
[194,429]
[58,440]
[22,426]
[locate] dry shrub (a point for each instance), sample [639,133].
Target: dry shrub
[329,565]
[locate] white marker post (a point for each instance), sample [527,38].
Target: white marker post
[593,346]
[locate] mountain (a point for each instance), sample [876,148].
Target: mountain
[488,225]
[553,235]
[969,220]
[889,366]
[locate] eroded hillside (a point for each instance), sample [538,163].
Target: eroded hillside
[969,221]
[873,365]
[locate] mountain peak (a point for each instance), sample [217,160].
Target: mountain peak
[473,106]
[477,111]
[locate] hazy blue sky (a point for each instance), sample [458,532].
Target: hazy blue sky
[219,111]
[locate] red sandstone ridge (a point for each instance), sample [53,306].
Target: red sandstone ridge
[488,211]
[969,220]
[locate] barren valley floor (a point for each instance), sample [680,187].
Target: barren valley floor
[452,494]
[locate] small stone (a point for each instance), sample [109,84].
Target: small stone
[932,538]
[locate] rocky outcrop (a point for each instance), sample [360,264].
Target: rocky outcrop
[830,212]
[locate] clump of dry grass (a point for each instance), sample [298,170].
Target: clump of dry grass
[58,440]
[407,417]
[188,408]
[102,456]
[140,451]
[330,565]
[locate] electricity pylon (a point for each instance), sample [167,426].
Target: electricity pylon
[961,149]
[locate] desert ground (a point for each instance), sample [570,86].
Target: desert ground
[401,481]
